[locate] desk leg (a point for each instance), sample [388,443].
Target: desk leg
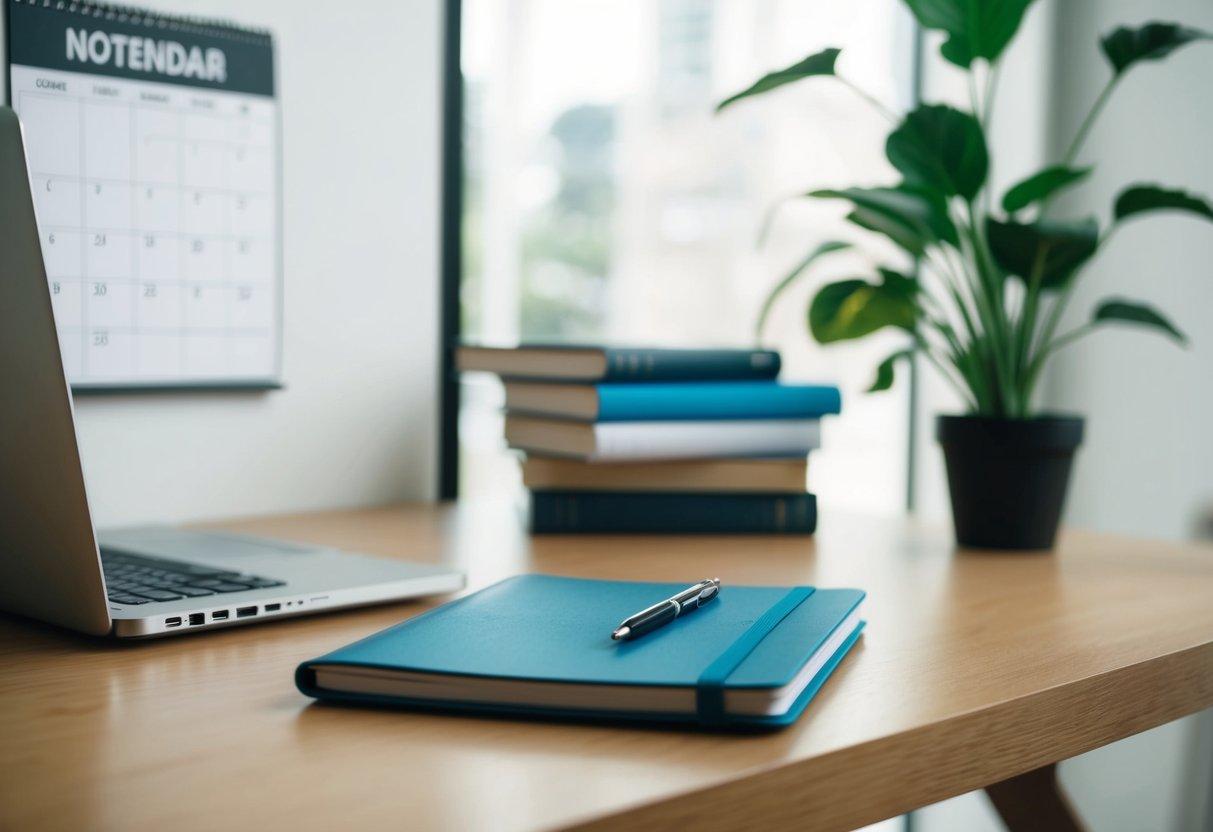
[1034,800]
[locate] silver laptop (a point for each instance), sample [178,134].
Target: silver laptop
[131,583]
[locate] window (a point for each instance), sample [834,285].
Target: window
[605,200]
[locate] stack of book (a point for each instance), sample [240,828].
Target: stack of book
[659,440]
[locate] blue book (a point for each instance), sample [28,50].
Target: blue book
[561,362]
[657,401]
[541,645]
[663,512]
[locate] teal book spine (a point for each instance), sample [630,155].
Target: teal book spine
[631,364]
[715,400]
[599,512]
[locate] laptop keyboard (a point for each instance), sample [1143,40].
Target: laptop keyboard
[135,579]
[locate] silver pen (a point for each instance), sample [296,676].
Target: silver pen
[660,614]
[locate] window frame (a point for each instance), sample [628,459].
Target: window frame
[451,261]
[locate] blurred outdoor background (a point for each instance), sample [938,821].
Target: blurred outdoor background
[604,200]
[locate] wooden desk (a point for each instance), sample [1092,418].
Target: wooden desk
[975,668]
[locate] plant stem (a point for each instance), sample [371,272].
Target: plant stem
[996,326]
[1069,337]
[954,285]
[768,217]
[991,90]
[1049,349]
[925,348]
[1027,323]
[992,73]
[936,317]
[986,381]
[1043,346]
[871,99]
[1085,127]
[1046,332]
[964,357]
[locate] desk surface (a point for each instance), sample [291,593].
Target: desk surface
[974,668]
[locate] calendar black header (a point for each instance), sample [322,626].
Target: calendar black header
[128,43]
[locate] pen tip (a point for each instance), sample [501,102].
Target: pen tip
[621,633]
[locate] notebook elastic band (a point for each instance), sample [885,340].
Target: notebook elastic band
[709,690]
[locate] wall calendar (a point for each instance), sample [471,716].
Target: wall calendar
[152,143]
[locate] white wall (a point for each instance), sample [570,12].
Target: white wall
[1145,466]
[360,89]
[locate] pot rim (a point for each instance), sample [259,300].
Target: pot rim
[1046,431]
[1049,416]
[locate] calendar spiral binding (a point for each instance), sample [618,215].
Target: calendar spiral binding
[138,16]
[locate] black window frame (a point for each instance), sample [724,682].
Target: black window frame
[450,325]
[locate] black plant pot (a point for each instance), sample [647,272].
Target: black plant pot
[1008,477]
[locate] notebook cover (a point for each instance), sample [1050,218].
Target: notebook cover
[555,629]
[658,512]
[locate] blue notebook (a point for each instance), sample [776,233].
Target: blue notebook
[680,400]
[540,645]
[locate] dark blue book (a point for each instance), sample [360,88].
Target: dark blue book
[675,400]
[638,512]
[595,363]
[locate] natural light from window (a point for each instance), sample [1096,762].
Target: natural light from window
[604,199]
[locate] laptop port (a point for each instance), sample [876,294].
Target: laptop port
[175,621]
[273,607]
[197,618]
[219,615]
[246,612]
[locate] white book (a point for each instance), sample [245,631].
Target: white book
[620,441]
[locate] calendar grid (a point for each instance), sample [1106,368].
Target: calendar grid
[83,283]
[185,289]
[175,276]
[152,142]
[135,266]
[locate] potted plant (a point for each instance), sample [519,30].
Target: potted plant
[985,299]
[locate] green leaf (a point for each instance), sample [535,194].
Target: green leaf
[1151,42]
[790,278]
[940,149]
[891,227]
[912,219]
[1137,199]
[855,308]
[975,28]
[1058,247]
[897,284]
[820,63]
[884,371]
[1132,312]
[1041,185]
